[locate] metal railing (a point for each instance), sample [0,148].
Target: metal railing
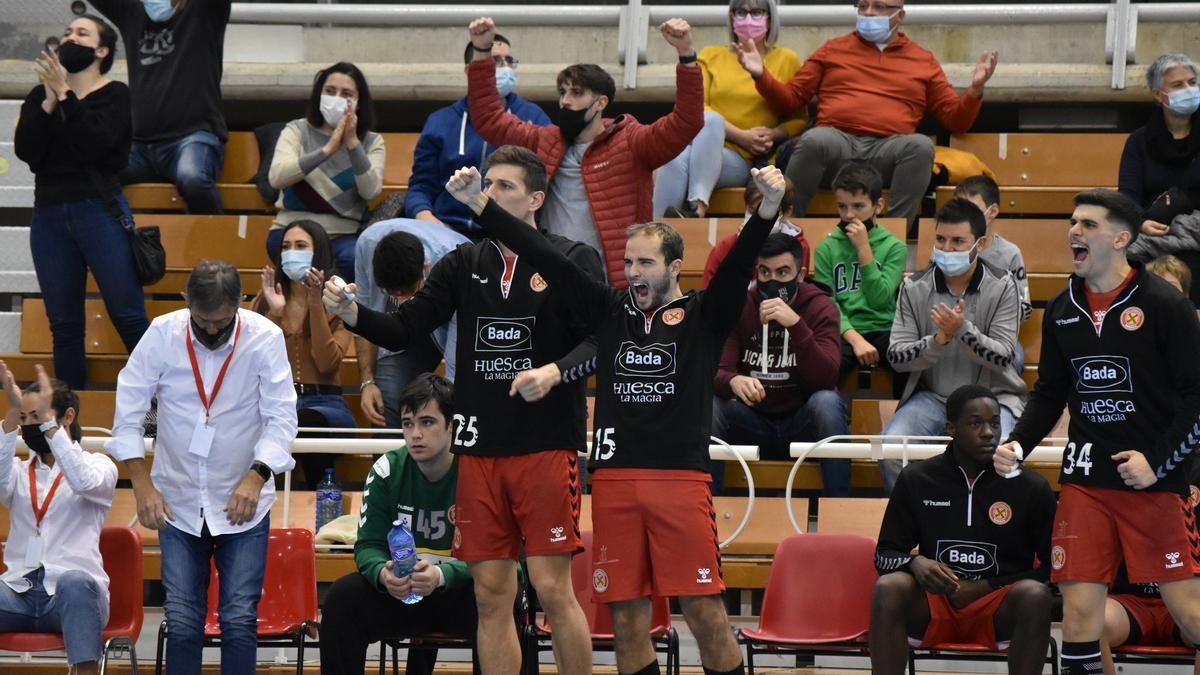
[634,20]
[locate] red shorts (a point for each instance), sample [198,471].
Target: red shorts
[504,501]
[1150,618]
[1094,528]
[655,534]
[973,624]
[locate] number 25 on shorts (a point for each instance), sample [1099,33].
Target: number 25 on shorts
[605,443]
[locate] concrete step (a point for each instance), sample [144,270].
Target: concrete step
[13,171]
[9,112]
[10,332]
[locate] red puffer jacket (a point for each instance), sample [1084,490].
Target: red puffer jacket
[618,167]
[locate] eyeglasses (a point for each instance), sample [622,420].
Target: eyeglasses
[877,7]
[740,13]
[501,61]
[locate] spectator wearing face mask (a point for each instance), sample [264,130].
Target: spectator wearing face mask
[174,50]
[740,129]
[872,86]
[449,142]
[329,163]
[316,340]
[601,171]
[956,324]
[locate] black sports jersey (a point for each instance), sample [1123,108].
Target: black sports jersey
[991,528]
[506,323]
[654,372]
[1134,384]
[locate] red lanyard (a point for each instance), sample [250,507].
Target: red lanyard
[207,401]
[39,513]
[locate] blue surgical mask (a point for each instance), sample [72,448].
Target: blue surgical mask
[953,263]
[296,263]
[875,29]
[159,10]
[1184,101]
[506,80]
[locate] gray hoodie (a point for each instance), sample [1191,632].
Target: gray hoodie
[982,350]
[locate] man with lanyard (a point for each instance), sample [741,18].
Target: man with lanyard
[1119,351]
[226,423]
[522,363]
[54,577]
[657,352]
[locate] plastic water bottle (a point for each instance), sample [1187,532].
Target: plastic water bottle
[329,500]
[404,556]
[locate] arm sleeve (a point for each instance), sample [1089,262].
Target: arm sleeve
[276,406]
[817,339]
[956,113]
[580,362]
[909,351]
[31,140]
[787,98]
[1049,395]
[823,273]
[996,348]
[583,291]
[456,574]
[137,383]
[1041,525]
[92,476]
[658,143]
[431,307]
[1130,172]
[8,474]
[94,126]
[1017,267]
[375,519]
[368,166]
[723,299]
[1171,453]
[881,278]
[287,166]
[899,532]
[423,185]
[329,338]
[493,123]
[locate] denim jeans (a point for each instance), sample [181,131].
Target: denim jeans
[241,562]
[394,372]
[924,414]
[78,609]
[343,251]
[822,416]
[66,241]
[702,167]
[321,410]
[191,163]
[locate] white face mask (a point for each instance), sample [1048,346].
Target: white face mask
[333,108]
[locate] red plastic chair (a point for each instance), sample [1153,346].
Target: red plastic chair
[662,634]
[818,598]
[121,549]
[964,651]
[1153,654]
[288,607]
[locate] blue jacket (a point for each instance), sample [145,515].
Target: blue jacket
[448,143]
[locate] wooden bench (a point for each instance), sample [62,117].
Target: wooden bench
[731,201]
[850,515]
[240,195]
[1039,173]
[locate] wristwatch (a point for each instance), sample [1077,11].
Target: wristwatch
[262,470]
[48,426]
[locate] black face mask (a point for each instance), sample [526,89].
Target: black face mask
[75,58]
[35,439]
[869,223]
[572,122]
[209,340]
[784,290]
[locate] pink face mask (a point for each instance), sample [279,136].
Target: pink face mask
[750,28]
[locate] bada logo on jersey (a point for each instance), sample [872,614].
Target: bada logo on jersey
[501,334]
[656,360]
[970,559]
[1102,374]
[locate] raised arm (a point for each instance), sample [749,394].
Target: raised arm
[493,123]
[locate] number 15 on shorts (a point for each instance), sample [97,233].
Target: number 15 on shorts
[605,443]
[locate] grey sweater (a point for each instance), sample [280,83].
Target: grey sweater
[1004,254]
[1184,235]
[982,350]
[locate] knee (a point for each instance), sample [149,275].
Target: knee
[818,142]
[827,406]
[76,585]
[630,618]
[196,171]
[892,594]
[713,119]
[558,597]
[495,599]
[917,146]
[1031,600]
[705,613]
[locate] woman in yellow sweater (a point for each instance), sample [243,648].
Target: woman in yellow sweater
[740,130]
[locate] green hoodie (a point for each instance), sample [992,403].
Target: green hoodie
[865,296]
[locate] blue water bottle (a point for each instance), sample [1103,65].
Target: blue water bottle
[404,556]
[329,500]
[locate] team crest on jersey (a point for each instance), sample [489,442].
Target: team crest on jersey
[1000,513]
[537,283]
[600,581]
[1132,318]
[1058,557]
[452,514]
[673,316]
[457,539]
[1194,497]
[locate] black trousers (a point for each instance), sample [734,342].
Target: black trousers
[355,615]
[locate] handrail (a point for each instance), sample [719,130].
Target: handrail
[749,489]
